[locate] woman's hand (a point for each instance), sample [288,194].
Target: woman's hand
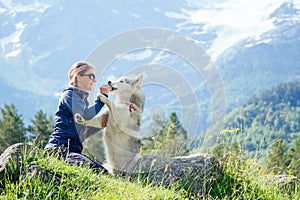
[104,89]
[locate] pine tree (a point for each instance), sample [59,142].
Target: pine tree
[155,128]
[172,140]
[12,128]
[42,127]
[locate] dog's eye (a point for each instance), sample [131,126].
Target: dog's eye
[121,81]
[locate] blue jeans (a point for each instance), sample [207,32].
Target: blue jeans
[77,158]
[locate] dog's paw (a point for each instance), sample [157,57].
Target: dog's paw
[103,99]
[79,119]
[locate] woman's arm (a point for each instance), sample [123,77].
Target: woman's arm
[87,112]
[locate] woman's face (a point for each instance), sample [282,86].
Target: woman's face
[86,81]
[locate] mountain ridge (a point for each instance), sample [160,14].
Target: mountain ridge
[47,41]
[26,103]
[270,60]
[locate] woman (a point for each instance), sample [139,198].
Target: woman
[68,136]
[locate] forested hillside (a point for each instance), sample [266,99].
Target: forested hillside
[269,115]
[267,128]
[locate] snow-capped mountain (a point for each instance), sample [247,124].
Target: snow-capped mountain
[255,64]
[40,39]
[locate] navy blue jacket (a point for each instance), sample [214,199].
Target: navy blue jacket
[67,134]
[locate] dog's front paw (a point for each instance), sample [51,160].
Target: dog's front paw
[103,99]
[79,119]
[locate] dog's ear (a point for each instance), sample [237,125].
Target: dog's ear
[138,80]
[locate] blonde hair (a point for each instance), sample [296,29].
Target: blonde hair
[78,68]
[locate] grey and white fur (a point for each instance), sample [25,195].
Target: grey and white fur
[122,135]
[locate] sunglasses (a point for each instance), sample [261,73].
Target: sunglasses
[92,76]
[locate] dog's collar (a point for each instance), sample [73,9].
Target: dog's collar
[132,107]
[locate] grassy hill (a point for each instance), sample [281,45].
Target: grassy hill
[44,177]
[55,179]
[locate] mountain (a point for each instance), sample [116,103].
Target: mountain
[26,103]
[40,39]
[255,64]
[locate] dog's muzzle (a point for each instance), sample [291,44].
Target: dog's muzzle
[112,88]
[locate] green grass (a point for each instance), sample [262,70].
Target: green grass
[79,183]
[246,176]
[242,178]
[246,179]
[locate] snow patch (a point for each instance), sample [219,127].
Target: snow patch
[13,53]
[231,20]
[35,59]
[138,56]
[134,15]
[2,10]
[17,7]
[115,11]
[11,44]
[264,41]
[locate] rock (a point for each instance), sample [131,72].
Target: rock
[33,171]
[11,161]
[194,173]
[284,181]
[17,160]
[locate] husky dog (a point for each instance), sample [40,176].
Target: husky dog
[122,135]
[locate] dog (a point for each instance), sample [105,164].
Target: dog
[122,135]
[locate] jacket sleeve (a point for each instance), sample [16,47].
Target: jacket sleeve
[77,105]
